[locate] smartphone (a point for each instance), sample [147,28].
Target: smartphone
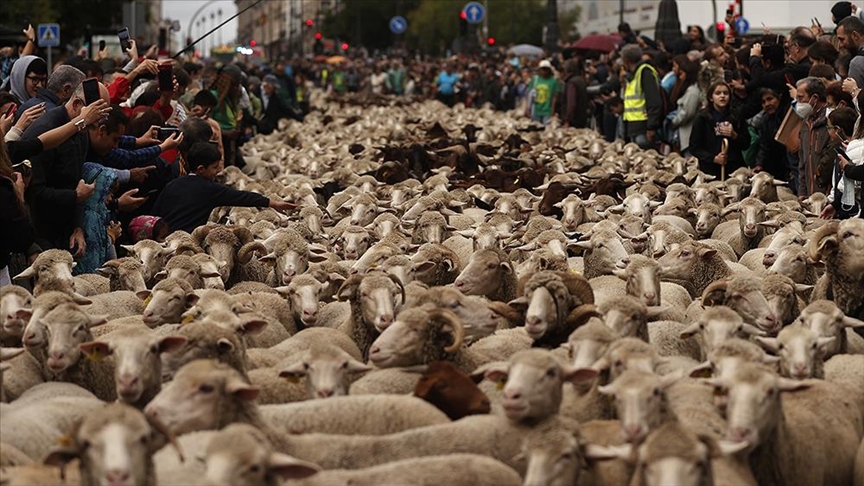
[123,34]
[166,78]
[729,11]
[91,91]
[149,193]
[727,75]
[817,21]
[102,45]
[842,153]
[11,109]
[166,132]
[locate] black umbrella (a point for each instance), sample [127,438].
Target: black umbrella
[668,26]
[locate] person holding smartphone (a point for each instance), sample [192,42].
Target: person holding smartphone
[716,123]
[847,171]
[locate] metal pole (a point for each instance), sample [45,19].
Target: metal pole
[214,29]
[50,61]
[485,20]
[133,33]
[621,11]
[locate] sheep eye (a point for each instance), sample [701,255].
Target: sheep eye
[685,254]
[815,345]
[206,388]
[780,346]
[154,349]
[345,365]
[255,469]
[144,439]
[656,392]
[552,372]
[85,444]
[566,457]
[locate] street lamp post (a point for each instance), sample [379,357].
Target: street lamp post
[219,15]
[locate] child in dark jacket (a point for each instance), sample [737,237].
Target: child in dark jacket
[187,202]
[715,124]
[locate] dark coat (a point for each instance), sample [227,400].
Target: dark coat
[705,144]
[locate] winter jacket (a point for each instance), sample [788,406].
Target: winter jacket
[814,137]
[705,143]
[688,108]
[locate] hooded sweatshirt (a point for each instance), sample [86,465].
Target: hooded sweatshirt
[20,70]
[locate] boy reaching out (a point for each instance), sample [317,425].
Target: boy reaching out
[186,202]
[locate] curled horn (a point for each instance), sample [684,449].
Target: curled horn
[581,314]
[398,282]
[243,234]
[244,255]
[201,232]
[458,330]
[162,429]
[578,286]
[715,294]
[817,243]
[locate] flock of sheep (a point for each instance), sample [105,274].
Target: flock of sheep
[460,298]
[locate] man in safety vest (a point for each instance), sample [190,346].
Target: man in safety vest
[643,105]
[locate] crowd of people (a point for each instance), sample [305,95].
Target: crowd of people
[136,158]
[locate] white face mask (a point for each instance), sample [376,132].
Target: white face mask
[804,110]
[828,111]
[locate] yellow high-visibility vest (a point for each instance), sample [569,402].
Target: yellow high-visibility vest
[634,98]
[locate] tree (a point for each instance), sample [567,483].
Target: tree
[366,22]
[74,16]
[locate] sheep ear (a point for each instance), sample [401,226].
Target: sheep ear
[80,299]
[143,294]
[424,266]
[107,271]
[727,447]
[622,274]
[225,345]
[520,304]
[169,344]
[752,330]
[290,468]
[251,327]
[655,311]
[822,342]
[348,288]
[97,320]
[496,372]
[294,371]
[803,289]
[690,330]
[62,455]
[771,344]
[670,379]
[506,267]
[703,370]
[706,253]
[241,390]
[578,376]
[29,272]
[191,299]
[852,322]
[160,276]
[9,353]
[789,385]
[96,350]
[605,453]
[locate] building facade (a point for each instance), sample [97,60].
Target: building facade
[280,26]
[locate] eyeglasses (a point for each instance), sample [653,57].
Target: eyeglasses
[38,79]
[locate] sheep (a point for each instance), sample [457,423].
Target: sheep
[231,399]
[744,295]
[235,246]
[373,298]
[89,284]
[839,245]
[764,187]
[272,307]
[694,266]
[331,274]
[303,294]
[242,455]
[328,370]
[807,438]
[300,342]
[827,320]
[399,266]
[451,391]
[6,354]
[152,255]
[184,267]
[167,302]
[15,310]
[642,276]
[124,274]
[628,316]
[207,340]
[749,232]
[52,270]
[489,273]
[435,264]
[376,254]
[113,444]
[725,358]
[603,251]
[431,227]
[782,296]
[210,277]
[707,218]
[556,303]
[800,350]
[352,242]
[247,287]
[847,370]
[136,360]
[792,261]
[717,325]
[480,317]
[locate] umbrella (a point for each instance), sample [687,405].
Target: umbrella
[668,26]
[336,59]
[526,50]
[598,42]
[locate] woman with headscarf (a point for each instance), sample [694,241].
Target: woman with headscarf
[97,217]
[29,73]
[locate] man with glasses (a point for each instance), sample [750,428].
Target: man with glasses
[62,83]
[29,73]
[797,63]
[850,36]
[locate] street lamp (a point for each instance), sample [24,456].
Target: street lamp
[219,14]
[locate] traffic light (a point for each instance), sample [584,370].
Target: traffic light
[463,24]
[344,46]
[318,36]
[490,41]
[309,23]
[252,43]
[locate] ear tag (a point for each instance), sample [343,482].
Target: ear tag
[187,319]
[147,301]
[65,440]
[292,379]
[95,356]
[500,385]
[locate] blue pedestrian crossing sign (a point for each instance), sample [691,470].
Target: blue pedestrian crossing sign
[474,12]
[742,26]
[48,35]
[398,25]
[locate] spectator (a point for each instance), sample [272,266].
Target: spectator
[771,155]
[226,89]
[186,203]
[544,88]
[273,105]
[697,38]
[713,67]
[576,100]
[686,97]
[396,78]
[810,107]
[663,63]
[840,11]
[12,54]
[835,97]
[626,34]
[796,69]
[850,36]
[148,228]
[844,172]
[97,217]
[28,74]
[377,80]
[62,83]
[822,52]
[446,85]
[57,192]
[715,124]
[824,72]
[643,105]
[18,233]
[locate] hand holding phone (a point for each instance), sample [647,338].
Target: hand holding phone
[166,77]
[91,91]
[123,34]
